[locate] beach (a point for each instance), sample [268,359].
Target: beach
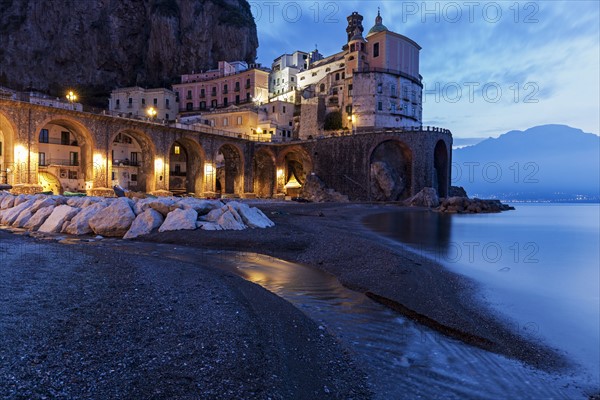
[93,321]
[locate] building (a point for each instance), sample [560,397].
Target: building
[136,102]
[373,82]
[270,122]
[231,83]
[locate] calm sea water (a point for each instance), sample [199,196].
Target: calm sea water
[538,265]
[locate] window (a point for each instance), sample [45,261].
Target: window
[167,117]
[225,102]
[202,93]
[214,91]
[349,90]
[202,105]
[113,176]
[133,177]
[379,106]
[239,120]
[314,74]
[292,79]
[118,103]
[65,138]
[393,107]
[376,50]
[134,158]
[225,121]
[343,75]
[379,88]
[155,102]
[225,88]
[237,86]
[237,99]
[143,101]
[177,169]
[213,103]
[278,80]
[177,150]
[74,158]
[130,101]
[72,174]
[352,47]
[284,109]
[44,136]
[189,106]
[167,102]
[337,76]
[41,158]
[189,94]
[273,108]
[350,58]
[393,90]
[322,88]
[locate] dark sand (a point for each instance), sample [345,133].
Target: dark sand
[332,237]
[80,321]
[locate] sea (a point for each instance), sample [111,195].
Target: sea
[538,266]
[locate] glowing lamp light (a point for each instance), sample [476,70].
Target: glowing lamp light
[259,130]
[98,159]
[151,111]
[20,153]
[159,164]
[209,169]
[279,173]
[71,96]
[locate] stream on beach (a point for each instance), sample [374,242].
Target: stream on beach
[402,359]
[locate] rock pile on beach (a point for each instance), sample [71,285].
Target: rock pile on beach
[464,205]
[124,217]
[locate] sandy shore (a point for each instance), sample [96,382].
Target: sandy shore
[82,321]
[332,237]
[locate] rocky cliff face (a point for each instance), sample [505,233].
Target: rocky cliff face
[97,45]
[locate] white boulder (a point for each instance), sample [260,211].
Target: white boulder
[23,218]
[230,220]
[9,215]
[7,202]
[39,218]
[179,219]
[114,220]
[252,216]
[80,224]
[56,220]
[144,224]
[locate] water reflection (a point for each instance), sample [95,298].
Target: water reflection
[422,229]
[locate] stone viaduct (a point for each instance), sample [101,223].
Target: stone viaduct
[375,165]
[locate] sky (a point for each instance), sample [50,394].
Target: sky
[488,67]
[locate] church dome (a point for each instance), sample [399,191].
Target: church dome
[379,26]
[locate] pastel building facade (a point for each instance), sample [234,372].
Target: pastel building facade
[232,83]
[373,82]
[135,102]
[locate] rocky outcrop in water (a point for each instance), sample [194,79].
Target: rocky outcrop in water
[427,197]
[97,45]
[463,205]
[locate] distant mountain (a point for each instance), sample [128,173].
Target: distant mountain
[548,162]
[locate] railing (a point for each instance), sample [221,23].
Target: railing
[126,163]
[59,141]
[58,161]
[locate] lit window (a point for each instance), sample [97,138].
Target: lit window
[177,150]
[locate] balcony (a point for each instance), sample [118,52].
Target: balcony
[188,97]
[237,89]
[60,162]
[225,91]
[202,95]
[214,94]
[248,86]
[125,163]
[59,142]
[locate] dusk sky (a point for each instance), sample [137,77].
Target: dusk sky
[487,67]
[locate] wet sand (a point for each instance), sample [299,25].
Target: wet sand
[332,237]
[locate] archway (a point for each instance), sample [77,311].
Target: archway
[132,156]
[390,168]
[295,164]
[230,170]
[50,183]
[186,162]
[65,151]
[264,174]
[7,134]
[440,168]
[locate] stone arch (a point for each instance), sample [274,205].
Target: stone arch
[50,182]
[186,167]
[441,168]
[230,170]
[390,171]
[264,173]
[79,138]
[142,167]
[7,137]
[294,165]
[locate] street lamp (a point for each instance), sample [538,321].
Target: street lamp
[71,96]
[151,111]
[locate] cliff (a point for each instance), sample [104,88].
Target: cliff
[97,45]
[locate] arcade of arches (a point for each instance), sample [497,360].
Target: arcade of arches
[71,151]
